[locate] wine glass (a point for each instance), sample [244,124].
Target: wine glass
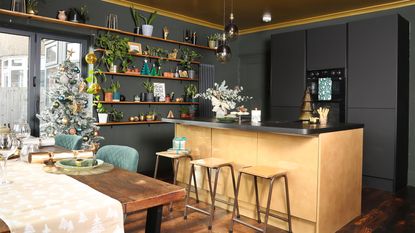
[8,146]
[22,131]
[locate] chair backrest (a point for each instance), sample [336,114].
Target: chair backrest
[120,156]
[70,142]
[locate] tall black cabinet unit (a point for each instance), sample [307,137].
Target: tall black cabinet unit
[287,75]
[378,96]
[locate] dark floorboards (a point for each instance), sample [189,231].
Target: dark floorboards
[382,212]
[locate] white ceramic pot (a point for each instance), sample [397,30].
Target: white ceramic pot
[212,44]
[102,117]
[147,29]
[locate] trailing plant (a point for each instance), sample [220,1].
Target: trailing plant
[100,107]
[116,50]
[190,90]
[116,115]
[148,86]
[136,16]
[150,19]
[187,57]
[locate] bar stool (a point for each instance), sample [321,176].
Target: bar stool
[210,164]
[271,174]
[175,158]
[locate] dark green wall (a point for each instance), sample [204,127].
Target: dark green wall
[146,139]
[254,50]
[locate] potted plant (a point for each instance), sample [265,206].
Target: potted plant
[184,112]
[147,27]
[116,115]
[108,94]
[212,40]
[116,95]
[149,87]
[102,112]
[32,7]
[186,63]
[190,92]
[116,51]
[79,15]
[173,54]
[136,19]
[151,116]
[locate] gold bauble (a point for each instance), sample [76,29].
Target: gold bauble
[91,58]
[95,88]
[76,107]
[65,120]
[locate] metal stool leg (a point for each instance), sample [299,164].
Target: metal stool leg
[192,167]
[236,204]
[157,167]
[258,208]
[287,199]
[271,184]
[236,200]
[175,171]
[194,180]
[213,195]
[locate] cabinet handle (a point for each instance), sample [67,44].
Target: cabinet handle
[34,81]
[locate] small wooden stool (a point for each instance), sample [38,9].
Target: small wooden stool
[210,164]
[175,157]
[271,174]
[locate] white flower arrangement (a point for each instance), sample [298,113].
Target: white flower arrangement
[223,98]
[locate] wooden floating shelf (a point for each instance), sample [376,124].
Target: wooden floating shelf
[129,123]
[144,103]
[149,76]
[90,26]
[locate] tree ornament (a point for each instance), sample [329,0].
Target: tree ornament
[85,138]
[61,98]
[76,70]
[96,133]
[91,58]
[73,82]
[145,70]
[153,71]
[72,131]
[56,104]
[79,129]
[65,120]
[76,107]
[94,89]
[64,79]
[82,87]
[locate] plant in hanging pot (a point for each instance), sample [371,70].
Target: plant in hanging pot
[116,51]
[186,62]
[102,112]
[190,92]
[32,7]
[136,19]
[149,87]
[147,27]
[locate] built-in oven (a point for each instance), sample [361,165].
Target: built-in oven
[328,89]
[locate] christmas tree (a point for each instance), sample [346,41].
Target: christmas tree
[145,70]
[306,109]
[68,113]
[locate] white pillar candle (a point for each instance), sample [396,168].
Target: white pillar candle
[256,115]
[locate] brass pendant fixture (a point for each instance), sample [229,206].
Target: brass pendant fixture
[223,52]
[231,29]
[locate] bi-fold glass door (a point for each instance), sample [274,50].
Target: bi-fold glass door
[28,66]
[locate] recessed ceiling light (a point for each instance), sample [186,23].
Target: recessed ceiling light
[266,17]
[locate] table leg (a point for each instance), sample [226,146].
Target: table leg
[153,223]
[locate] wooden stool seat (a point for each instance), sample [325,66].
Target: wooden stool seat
[172,155]
[211,162]
[263,171]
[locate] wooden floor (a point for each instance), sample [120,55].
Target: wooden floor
[382,212]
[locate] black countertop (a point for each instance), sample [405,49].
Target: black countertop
[297,128]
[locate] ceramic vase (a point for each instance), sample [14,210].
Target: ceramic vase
[147,29]
[62,15]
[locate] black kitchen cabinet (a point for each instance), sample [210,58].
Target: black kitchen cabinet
[288,69]
[284,113]
[378,96]
[326,47]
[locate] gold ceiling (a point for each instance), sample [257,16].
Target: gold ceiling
[248,13]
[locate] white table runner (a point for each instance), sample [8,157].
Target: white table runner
[37,201]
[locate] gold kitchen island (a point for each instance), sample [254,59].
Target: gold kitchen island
[323,164]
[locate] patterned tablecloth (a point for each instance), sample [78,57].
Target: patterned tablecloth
[37,201]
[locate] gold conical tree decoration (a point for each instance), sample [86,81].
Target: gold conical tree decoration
[306,108]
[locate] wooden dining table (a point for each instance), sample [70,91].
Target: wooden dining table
[136,192]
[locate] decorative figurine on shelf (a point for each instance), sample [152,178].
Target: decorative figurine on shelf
[153,71]
[62,15]
[165,32]
[170,115]
[306,109]
[145,70]
[194,38]
[187,36]
[323,112]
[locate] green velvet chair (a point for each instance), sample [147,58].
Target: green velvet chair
[70,142]
[120,156]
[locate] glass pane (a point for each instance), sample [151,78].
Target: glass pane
[14,68]
[53,53]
